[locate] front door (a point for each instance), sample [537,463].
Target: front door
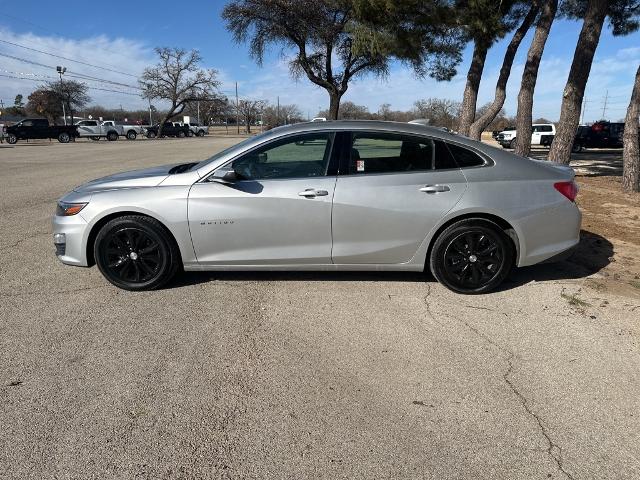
[396,188]
[277,212]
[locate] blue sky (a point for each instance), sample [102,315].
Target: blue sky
[122,37]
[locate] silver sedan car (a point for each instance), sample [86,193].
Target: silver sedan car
[327,196]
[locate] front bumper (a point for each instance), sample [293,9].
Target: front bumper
[70,239]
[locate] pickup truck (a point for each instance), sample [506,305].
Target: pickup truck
[96,130]
[541,134]
[197,129]
[168,130]
[601,134]
[32,128]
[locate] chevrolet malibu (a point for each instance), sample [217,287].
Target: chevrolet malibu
[327,196]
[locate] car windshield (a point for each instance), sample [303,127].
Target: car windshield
[227,150]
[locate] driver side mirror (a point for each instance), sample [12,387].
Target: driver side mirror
[225,175]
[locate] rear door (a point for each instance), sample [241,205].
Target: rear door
[392,191]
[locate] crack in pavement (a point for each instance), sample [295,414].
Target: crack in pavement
[553,450]
[14,245]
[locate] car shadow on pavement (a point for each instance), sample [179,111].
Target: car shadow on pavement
[592,254]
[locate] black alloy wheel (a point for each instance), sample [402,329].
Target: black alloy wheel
[136,253]
[472,256]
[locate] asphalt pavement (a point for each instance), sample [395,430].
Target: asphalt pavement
[296,375]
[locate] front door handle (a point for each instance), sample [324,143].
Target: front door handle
[312,192]
[435,188]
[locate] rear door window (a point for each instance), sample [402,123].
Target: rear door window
[464,157]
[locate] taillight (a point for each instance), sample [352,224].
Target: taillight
[568,189]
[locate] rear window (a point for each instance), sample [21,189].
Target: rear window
[465,158]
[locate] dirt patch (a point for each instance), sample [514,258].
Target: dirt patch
[615,216]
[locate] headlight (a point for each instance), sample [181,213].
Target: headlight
[68,209]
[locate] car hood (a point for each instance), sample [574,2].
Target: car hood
[148,177]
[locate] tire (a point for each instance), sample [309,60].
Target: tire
[112,136]
[472,256]
[190,134]
[64,137]
[95,139]
[136,253]
[181,134]
[12,139]
[512,144]
[201,133]
[131,135]
[576,148]
[151,134]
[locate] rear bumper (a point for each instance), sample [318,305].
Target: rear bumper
[547,236]
[70,240]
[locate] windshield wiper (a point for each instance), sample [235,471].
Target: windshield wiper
[182,168]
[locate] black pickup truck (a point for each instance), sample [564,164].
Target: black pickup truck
[32,128]
[601,134]
[169,130]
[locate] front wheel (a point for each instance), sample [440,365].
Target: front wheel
[112,136]
[181,134]
[472,256]
[151,134]
[576,148]
[12,139]
[512,144]
[64,137]
[135,252]
[201,133]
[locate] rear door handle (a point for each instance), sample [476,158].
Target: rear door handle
[312,192]
[435,188]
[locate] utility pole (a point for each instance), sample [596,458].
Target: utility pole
[604,108]
[584,107]
[237,110]
[61,71]
[198,112]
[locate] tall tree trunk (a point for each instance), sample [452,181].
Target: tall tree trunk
[631,141]
[334,104]
[578,75]
[470,97]
[524,117]
[481,123]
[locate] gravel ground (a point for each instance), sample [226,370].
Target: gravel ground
[301,375]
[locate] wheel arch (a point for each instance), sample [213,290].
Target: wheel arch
[93,233]
[503,224]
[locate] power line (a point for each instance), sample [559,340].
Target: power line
[89,86]
[67,58]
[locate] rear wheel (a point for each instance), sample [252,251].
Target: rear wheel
[131,135]
[576,148]
[201,133]
[151,134]
[64,137]
[12,139]
[472,256]
[136,253]
[181,134]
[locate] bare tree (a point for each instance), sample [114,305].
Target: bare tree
[623,16]
[178,79]
[524,115]
[73,94]
[249,110]
[439,112]
[484,119]
[631,141]
[318,31]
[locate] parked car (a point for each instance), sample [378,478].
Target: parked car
[96,130]
[327,196]
[495,133]
[197,129]
[169,129]
[601,134]
[541,134]
[35,128]
[125,130]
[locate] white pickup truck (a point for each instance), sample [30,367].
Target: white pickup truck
[541,134]
[96,130]
[197,129]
